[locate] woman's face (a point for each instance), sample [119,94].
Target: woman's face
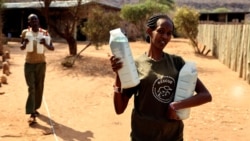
[162,34]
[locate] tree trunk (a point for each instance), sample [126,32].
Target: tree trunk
[72,45]
[46,10]
[1,35]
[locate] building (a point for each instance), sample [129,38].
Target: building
[227,11]
[15,12]
[224,17]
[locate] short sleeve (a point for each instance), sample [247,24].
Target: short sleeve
[23,34]
[130,91]
[179,62]
[46,33]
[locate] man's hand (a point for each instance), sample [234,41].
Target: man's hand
[42,41]
[24,43]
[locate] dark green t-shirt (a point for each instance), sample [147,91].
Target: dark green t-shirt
[158,80]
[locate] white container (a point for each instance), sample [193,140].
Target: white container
[47,39]
[185,87]
[29,36]
[40,47]
[119,46]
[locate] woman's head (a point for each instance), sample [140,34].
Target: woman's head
[159,29]
[152,21]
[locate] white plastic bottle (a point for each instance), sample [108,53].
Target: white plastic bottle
[185,87]
[40,47]
[119,46]
[29,36]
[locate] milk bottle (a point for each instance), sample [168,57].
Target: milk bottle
[185,86]
[47,39]
[120,48]
[29,36]
[40,47]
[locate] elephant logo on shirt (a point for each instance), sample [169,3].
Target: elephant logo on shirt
[163,89]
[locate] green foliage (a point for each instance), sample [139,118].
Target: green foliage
[205,11]
[169,3]
[99,24]
[186,22]
[217,10]
[221,10]
[139,13]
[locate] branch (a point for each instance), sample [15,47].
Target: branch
[75,15]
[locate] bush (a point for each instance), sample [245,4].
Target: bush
[186,22]
[98,25]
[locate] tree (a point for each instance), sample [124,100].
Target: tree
[186,22]
[139,13]
[46,9]
[1,24]
[65,26]
[98,25]
[221,10]
[169,3]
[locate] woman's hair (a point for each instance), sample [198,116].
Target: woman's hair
[152,22]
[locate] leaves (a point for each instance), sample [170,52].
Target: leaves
[186,21]
[99,23]
[139,13]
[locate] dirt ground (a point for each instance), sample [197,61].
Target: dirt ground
[78,102]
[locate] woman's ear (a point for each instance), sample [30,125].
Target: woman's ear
[149,34]
[149,31]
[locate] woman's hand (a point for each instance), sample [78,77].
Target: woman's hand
[116,63]
[172,112]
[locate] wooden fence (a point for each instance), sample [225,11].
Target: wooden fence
[230,44]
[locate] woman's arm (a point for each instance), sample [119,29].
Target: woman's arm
[203,96]
[120,99]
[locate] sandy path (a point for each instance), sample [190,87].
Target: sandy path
[79,103]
